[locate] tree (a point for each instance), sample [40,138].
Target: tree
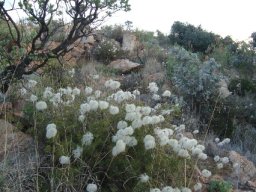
[191,38]
[27,48]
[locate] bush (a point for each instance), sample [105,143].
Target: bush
[85,141]
[191,38]
[113,32]
[196,80]
[220,186]
[242,86]
[108,50]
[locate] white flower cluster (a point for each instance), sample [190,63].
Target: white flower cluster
[121,96]
[223,142]
[91,187]
[87,138]
[64,160]
[31,84]
[149,142]
[170,189]
[166,93]
[64,96]
[153,88]
[41,105]
[51,131]
[111,84]
[206,173]
[144,178]
[125,134]
[118,148]
[221,161]
[77,152]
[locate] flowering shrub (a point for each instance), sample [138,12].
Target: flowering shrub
[104,140]
[107,50]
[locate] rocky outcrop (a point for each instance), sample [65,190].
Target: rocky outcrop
[129,42]
[243,169]
[17,158]
[124,65]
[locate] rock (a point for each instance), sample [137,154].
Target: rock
[124,65]
[245,170]
[129,42]
[17,158]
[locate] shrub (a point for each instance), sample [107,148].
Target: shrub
[242,86]
[196,80]
[107,50]
[113,32]
[108,140]
[220,186]
[191,37]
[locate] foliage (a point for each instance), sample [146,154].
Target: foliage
[34,52]
[108,50]
[96,163]
[191,38]
[113,32]
[194,79]
[242,86]
[220,186]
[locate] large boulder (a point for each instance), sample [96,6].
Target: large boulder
[124,65]
[129,42]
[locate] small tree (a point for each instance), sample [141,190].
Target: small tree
[29,46]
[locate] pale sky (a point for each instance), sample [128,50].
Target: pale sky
[236,18]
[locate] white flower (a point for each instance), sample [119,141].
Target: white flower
[122,124]
[23,91]
[166,93]
[219,165]
[97,93]
[195,131]
[113,110]
[84,107]
[206,173]
[103,105]
[185,189]
[144,178]
[93,105]
[167,189]
[64,160]
[87,138]
[33,98]
[112,84]
[145,110]
[216,158]
[81,118]
[156,97]
[153,87]
[76,91]
[198,186]
[31,83]
[130,108]
[183,153]
[77,152]
[47,93]
[149,142]
[155,190]
[136,92]
[51,131]
[217,140]
[202,156]
[91,187]
[147,120]
[224,160]
[88,90]
[41,105]
[119,148]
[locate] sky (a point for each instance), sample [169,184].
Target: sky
[236,18]
[223,17]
